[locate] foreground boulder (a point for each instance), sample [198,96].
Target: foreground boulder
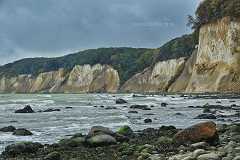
[22,132]
[101,140]
[8,129]
[125,130]
[26,109]
[120,101]
[205,131]
[21,148]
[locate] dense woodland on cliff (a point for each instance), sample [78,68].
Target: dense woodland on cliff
[212,10]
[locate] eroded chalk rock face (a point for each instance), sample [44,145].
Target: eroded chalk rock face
[155,79]
[218,59]
[86,78]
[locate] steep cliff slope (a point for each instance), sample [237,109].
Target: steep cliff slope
[156,79]
[86,78]
[218,59]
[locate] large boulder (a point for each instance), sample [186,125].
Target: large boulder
[97,130]
[22,132]
[205,131]
[26,109]
[101,140]
[21,148]
[8,129]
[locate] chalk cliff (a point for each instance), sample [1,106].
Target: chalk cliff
[86,78]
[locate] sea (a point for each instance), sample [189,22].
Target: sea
[79,112]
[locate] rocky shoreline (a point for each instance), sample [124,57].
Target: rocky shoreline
[203,141]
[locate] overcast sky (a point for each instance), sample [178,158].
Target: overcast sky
[33,28]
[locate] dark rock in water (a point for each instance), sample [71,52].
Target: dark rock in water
[125,130]
[149,114]
[179,114]
[68,107]
[21,148]
[95,106]
[120,101]
[206,116]
[26,109]
[133,112]
[152,106]
[142,107]
[164,104]
[102,106]
[148,121]
[135,95]
[22,132]
[202,132]
[8,129]
[52,110]
[53,156]
[110,108]
[218,102]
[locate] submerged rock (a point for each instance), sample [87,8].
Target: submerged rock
[22,132]
[202,132]
[147,120]
[8,129]
[206,116]
[52,110]
[26,109]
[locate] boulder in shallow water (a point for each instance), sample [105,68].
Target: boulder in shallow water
[97,130]
[8,129]
[147,120]
[22,132]
[21,148]
[142,107]
[121,101]
[26,109]
[202,132]
[125,130]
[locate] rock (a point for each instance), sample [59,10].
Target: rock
[200,145]
[26,109]
[8,129]
[53,156]
[101,140]
[206,116]
[73,142]
[164,104]
[97,130]
[202,132]
[52,110]
[22,132]
[21,148]
[198,152]
[209,156]
[68,107]
[147,120]
[142,107]
[125,130]
[134,112]
[120,101]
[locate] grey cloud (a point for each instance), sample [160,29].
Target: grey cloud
[31,28]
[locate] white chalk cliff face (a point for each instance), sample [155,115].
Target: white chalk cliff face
[155,79]
[82,79]
[217,66]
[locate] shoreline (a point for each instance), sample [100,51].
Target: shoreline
[150,144]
